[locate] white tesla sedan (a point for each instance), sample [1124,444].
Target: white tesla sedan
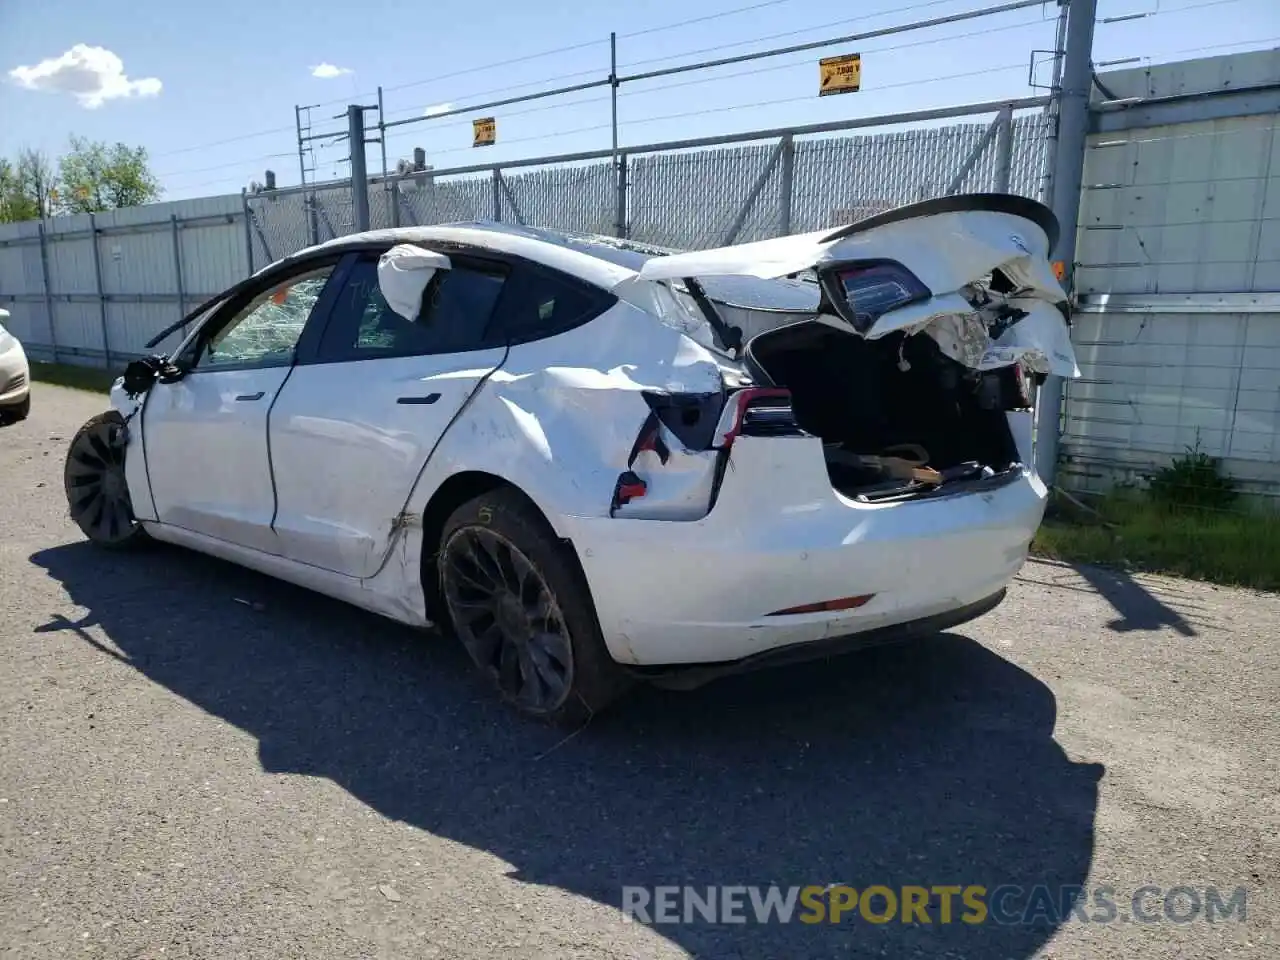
[592,461]
[15,376]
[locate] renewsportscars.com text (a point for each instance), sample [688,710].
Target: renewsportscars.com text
[940,904]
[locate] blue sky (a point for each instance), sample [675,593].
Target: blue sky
[209,88]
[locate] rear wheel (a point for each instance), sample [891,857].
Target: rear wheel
[521,607]
[97,493]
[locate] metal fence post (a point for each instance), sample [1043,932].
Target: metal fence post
[394,199]
[248,229]
[620,212]
[786,185]
[97,278]
[497,195]
[1004,150]
[359,175]
[1068,175]
[177,270]
[313,218]
[48,294]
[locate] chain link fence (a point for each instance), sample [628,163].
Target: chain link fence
[686,198]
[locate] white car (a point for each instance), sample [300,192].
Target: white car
[15,376]
[591,461]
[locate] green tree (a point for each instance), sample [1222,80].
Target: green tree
[94,176]
[27,187]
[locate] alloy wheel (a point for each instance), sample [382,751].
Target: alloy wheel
[97,493]
[508,618]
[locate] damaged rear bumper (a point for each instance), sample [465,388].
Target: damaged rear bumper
[687,678]
[735,584]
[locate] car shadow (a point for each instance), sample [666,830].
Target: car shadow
[925,763]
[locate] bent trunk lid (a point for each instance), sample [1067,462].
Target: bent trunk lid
[952,246]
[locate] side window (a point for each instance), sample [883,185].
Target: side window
[543,303]
[456,307]
[264,332]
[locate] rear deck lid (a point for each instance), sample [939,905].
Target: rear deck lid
[972,271]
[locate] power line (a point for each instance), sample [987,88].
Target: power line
[501,63]
[1223,46]
[755,71]
[808,61]
[219,143]
[704,19]
[887,86]
[585,101]
[706,112]
[224,166]
[1107,21]
[723,46]
[503,89]
[789,33]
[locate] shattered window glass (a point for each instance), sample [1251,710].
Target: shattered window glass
[266,331]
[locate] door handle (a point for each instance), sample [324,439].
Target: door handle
[429,398]
[251,396]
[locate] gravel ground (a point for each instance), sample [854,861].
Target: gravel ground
[197,761]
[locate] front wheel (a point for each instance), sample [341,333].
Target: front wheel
[521,606]
[97,493]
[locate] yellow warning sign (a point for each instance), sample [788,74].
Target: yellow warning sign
[484,132]
[841,74]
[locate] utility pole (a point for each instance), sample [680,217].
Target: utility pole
[304,149]
[1068,177]
[359,175]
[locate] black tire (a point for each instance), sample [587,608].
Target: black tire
[519,602]
[97,493]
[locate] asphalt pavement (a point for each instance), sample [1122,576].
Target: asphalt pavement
[198,761]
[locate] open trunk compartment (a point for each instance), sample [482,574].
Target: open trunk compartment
[870,398]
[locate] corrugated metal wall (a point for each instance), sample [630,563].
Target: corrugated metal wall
[114,302]
[1179,275]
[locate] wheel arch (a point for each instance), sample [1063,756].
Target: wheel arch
[456,490]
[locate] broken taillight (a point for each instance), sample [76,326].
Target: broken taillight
[863,292]
[757,412]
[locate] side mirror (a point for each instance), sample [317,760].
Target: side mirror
[141,375]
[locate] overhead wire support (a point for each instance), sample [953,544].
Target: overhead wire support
[541,95]
[613,80]
[832,41]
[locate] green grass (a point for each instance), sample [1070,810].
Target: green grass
[94,379]
[1239,546]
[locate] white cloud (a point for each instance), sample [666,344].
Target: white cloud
[437,108]
[327,71]
[93,75]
